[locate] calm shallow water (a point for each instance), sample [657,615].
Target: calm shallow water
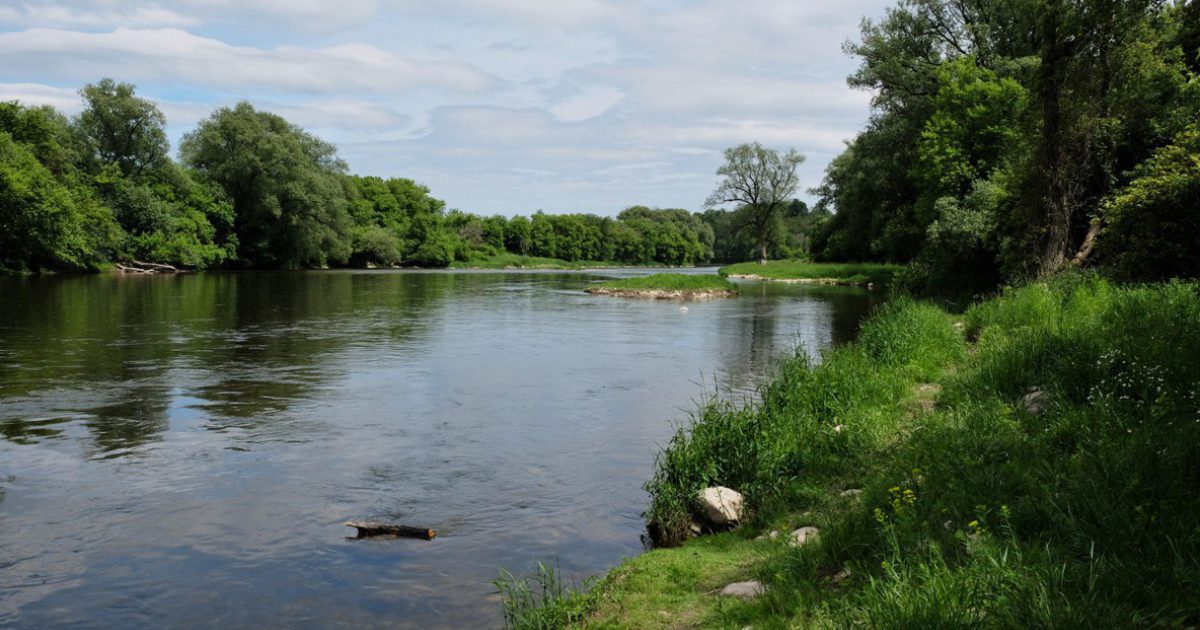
[182,451]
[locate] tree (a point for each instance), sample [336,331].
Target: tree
[1150,226]
[289,203]
[517,237]
[46,223]
[759,181]
[117,127]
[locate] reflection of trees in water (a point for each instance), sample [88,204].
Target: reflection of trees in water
[114,348]
[22,431]
[811,315]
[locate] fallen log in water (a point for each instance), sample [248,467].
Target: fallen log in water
[367,529]
[137,266]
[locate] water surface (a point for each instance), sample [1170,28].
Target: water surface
[182,450]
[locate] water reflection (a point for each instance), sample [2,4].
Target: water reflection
[182,450]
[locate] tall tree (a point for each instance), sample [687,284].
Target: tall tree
[117,127]
[759,182]
[285,184]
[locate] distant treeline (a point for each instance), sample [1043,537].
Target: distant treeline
[252,190]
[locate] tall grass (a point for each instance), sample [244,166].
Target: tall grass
[840,273]
[977,512]
[539,601]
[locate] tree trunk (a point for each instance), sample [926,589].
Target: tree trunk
[762,257]
[1059,203]
[1089,243]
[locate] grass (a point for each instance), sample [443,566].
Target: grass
[517,261]
[539,601]
[667,285]
[831,273]
[973,511]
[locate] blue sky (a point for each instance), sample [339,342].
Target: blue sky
[499,106]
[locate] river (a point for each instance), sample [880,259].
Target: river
[181,451]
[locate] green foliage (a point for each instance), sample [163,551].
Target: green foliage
[289,204]
[974,127]
[116,127]
[996,129]
[48,222]
[1152,224]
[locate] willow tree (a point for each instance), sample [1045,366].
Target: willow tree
[759,182]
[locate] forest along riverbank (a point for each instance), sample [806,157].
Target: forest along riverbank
[1028,463]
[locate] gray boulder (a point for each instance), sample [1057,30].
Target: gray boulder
[1035,402]
[720,506]
[803,535]
[744,590]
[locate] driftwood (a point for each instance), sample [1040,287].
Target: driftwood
[137,266]
[368,529]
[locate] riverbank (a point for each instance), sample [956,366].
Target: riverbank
[852,274]
[671,286]
[1029,463]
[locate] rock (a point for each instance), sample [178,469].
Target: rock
[721,506]
[840,576]
[744,590]
[803,535]
[772,535]
[959,326]
[852,493]
[1035,402]
[928,389]
[695,529]
[839,428]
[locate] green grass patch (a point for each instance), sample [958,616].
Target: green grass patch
[517,261]
[831,273]
[973,511]
[667,285]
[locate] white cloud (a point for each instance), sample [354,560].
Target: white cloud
[65,100]
[107,15]
[173,55]
[499,105]
[587,103]
[309,15]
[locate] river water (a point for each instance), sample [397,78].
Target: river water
[181,451]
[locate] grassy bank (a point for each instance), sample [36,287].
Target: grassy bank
[824,273]
[976,508]
[667,285]
[517,261]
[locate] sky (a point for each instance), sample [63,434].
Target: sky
[499,106]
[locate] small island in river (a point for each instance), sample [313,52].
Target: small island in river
[668,286]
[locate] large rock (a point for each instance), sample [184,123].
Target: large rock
[1035,402]
[803,535]
[744,590]
[721,506]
